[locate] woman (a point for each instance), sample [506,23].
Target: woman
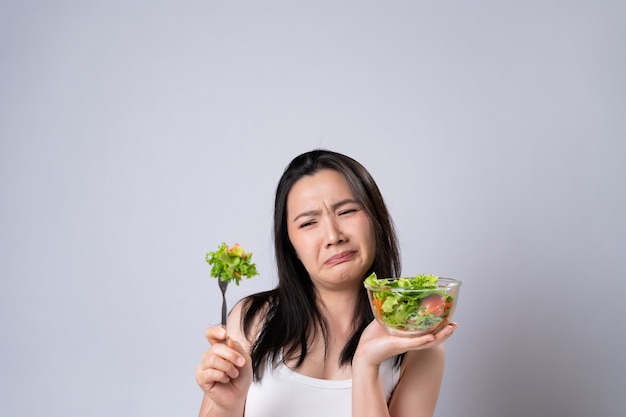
[310,346]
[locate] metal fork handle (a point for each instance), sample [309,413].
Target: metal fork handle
[223,285]
[224,310]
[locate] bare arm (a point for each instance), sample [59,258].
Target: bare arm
[418,389]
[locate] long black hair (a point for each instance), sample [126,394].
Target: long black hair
[290,312]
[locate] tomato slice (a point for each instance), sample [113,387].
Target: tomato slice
[434,304]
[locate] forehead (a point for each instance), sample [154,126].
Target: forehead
[326,185]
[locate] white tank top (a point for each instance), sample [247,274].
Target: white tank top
[282,392]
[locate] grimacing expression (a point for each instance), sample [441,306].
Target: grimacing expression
[329,230]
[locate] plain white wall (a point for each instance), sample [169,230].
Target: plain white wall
[136,136]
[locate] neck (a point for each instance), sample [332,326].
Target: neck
[338,309]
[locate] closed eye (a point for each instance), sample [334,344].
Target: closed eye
[307,224]
[349,210]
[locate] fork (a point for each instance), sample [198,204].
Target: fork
[223,285]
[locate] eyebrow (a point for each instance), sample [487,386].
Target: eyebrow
[334,207]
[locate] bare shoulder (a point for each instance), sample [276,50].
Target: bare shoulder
[236,323]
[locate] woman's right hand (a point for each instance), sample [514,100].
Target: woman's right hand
[224,374]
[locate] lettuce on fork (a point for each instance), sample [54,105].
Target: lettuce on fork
[231,264]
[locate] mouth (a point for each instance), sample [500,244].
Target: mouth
[340,258]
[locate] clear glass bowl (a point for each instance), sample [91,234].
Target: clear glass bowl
[414,312]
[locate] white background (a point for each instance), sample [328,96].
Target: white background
[135,137]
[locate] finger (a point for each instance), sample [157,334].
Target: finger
[232,352]
[447,330]
[444,333]
[209,377]
[224,359]
[242,355]
[224,365]
[216,334]
[214,369]
[225,347]
[431,339]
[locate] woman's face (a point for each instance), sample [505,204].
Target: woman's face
[330,231]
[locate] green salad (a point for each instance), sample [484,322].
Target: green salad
[231,264]
[421,310]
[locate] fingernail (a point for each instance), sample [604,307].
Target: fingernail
[241,361]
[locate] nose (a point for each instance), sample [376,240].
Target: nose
[333,233]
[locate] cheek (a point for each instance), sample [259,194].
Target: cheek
[299,243]
[302,247]
[370,238]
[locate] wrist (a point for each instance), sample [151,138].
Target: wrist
[361,367]
[217,410]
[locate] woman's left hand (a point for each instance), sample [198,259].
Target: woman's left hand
[376,344]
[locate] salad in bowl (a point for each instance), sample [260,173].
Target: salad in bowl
[412,306]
